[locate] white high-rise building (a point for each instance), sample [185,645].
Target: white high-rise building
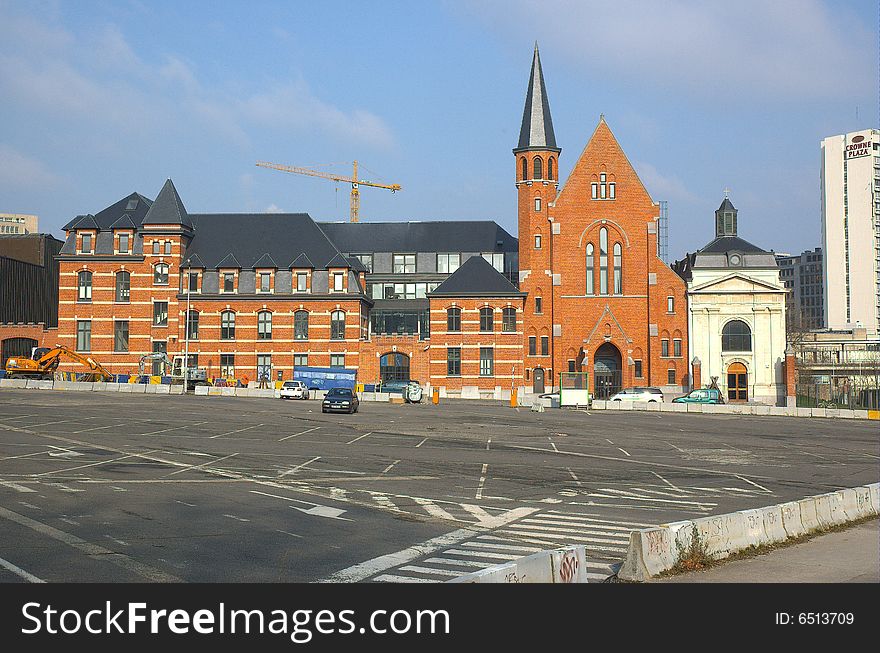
[851,230]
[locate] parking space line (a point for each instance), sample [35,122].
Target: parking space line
[291,471]
[667,482]
[173,428]
[421,443]
[16,486]
[101,462]
[624,451]
[246,428]
[359,437]
[387,469]
[191,467]
[300,433]
[21,573]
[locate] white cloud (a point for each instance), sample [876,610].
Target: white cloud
[19,171]
[662,187]
[727,52]
[272,208]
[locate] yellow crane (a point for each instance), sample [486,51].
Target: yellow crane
[353,180]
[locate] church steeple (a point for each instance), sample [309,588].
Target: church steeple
[725,219]
[536,132]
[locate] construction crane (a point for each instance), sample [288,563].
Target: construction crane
[353,180]
[44,361]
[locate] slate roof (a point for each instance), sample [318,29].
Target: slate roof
[727,205]
[125,222]
[449,236]
[302,261]
[730,244]
[193,261]
[85,222]
[229,261]
[112,213]
[537,125]
[265,261]
[168,208]
[476,277]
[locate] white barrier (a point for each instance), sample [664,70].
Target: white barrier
[655,550]
[38,384]
[13,383]
[564,565]
[729,409]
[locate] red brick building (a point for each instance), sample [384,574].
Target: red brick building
[599,299]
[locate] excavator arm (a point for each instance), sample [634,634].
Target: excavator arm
[49,361]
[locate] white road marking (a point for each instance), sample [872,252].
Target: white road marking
[384,501]
[246,428]
[432,509]
[236,518]
[608,441]
[488,442]
[99,428]
[674,447]
[191,505]
[482,481]
[305,464]
[387,469]
[191,467]
[575,478]
[632,496]
[102,462]
[390,578]
[291,534]
[594,520]
[483,554]
[16,486]
[760,487]
[64,488]
[665,481]
[624,451]
[30,505]
[317,509]
[552,444]
[174,428]
[504,547]
[359,437]
[92,550]
[18,571]
[300,433]
[421,443]
[27,455]
[461,563]
[430,570]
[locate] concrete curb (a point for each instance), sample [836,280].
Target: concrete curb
[736,409]
[655,550]
[564,565]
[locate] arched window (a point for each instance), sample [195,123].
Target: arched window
[160,274]
[301,325]
[192,325]
[84,286]
[525,169]
[550,168]
[227,325]
[603,261]
[591,289]
[337,325]
[453,319]
[618,269]
[508,320]
[539,168]
[487,320]
[123,286]
[736,336]
[264,325]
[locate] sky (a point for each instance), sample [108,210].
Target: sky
[102,98]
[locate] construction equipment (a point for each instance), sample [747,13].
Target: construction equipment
[160,356]
[174,368]
[44,361]
[353,180]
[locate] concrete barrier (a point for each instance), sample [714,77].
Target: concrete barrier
[202,390]
[39,384]
[80,386]
[564,565]
[655,550]
[470,392]
[227,392]
[127,387]
[150,388]
[654,406]
[13,383]
[111,387]
[64,385]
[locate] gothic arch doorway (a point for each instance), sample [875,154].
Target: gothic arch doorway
[394,367]
[607,372]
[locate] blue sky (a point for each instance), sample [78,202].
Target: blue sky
[100,99]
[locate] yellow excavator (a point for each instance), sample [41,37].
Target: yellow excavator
[45,360]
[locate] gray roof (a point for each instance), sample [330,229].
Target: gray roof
[302,261]
[168,208]
[727,205]
[229,261]
[730,244]
[85,222]
[451,236]
[537,125]
[125,222]
[248,237]
[476,277]
[265,261]
[193,261]
[105,219]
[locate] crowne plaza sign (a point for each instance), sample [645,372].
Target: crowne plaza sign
[857,147]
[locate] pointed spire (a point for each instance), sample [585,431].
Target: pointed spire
[168,208]
[725,218]
[536,132]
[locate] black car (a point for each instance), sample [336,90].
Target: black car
[340,400]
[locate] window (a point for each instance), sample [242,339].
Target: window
[453,319]
[670,304]
[156,246]
[612,191]
[508,320]
[123,243]
[120,335]
[590,270]
[736,336]
[448,262]
[86,244]
[300,360]
[487,361]
[532,345]
[664,347]
[160,313]
[571,365]
[123,286]
[167,246]
[496,259]
[603,261]
[618,270]
[84,335]
[160,274]
[670,377]
[228,282]
[603,187]
[453,361]
[537,241]
[264,367]
[487,321]
[337,325]
[192,325]
[550,168]
[538,204]
[539,308]
[337,360]
[538,168]
[594,190]
[301,325]
[193,282]
[404,264]
[264,325]
[638,369]
[366,259]
[227,365]
[84,286]
[227,325]
[525,169]
[676,347]
[302,280]
[545,345]
[265,281]
[338,279]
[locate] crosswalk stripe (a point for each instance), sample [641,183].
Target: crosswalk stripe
[598,530]
[433,509]
[579,540]
[451,561]
[383,500]
[569,522]
[593,520]
[507,547]
[430,570]
[556,529]
[483,554]
[477,512]
[391,578]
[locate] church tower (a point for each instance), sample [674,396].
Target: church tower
[537,176]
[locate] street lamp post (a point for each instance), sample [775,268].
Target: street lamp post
[186,332]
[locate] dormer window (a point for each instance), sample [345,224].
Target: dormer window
[132,205]
[265,282]
[228,282]
[124,244]
[338,282]
[193,282]
[302,282]
[86,244]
